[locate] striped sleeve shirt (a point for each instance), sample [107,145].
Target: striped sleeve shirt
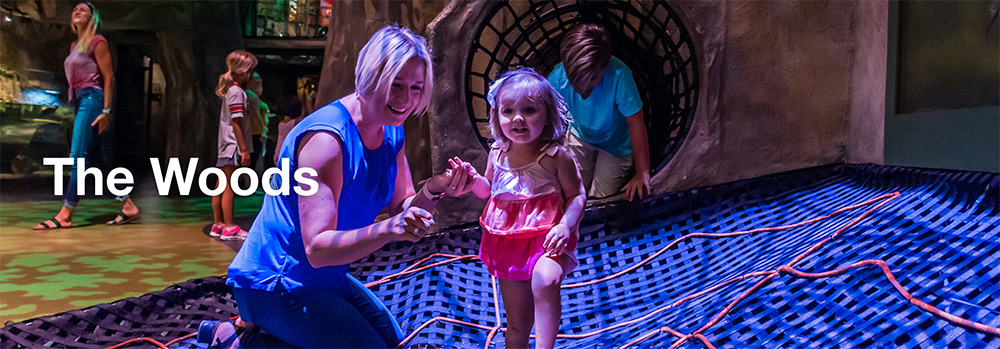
[232,111]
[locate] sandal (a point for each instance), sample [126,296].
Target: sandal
[123,218]
[55,225]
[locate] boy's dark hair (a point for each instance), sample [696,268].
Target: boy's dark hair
[585,50]
[290,106]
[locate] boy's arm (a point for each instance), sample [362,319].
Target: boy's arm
[638,186]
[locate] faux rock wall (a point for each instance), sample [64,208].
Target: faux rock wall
[866,121]
[353,23]
[782,83]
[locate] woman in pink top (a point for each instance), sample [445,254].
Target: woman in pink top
[91,84]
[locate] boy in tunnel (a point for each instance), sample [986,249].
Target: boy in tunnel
[608,132]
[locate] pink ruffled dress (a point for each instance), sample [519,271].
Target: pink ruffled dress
[526,202]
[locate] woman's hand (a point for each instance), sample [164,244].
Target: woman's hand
[556,240]
[411,224]
[101,122]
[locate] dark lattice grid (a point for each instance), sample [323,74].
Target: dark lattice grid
[647,35]
[163,315]
[940,237]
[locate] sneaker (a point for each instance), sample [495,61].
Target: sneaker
[216,230]
[218,334]
[234,233]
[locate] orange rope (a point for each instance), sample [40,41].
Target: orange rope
[772,273]
[189,335]
[888,197]
[489,337]
[496,311]
[697,334]
[161,345]
[441,318]
[899,288]
[141,339]
[643,337]
[496,302]
[958,321]
[718,317]
[724,235]
[410,270]
[704,340]
[432,256]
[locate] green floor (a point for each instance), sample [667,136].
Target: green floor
[46,272]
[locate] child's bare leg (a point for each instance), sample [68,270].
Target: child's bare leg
[217,207]
[517,302]
[545,282]
[228,197]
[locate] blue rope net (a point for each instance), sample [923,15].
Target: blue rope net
[940,238]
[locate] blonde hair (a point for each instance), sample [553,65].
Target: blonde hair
[240,64]
[526,83]
[383,56]
[83,43]
[585,50]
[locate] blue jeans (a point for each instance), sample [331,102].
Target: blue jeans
[352,319]
[87,142]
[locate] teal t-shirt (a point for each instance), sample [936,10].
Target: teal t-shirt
[599,120]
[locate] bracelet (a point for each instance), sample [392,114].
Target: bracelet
[432,197]
[106,111]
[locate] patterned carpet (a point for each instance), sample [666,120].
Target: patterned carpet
[45,272]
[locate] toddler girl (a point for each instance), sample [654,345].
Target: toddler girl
[536,200]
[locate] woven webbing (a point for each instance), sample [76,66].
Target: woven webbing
[163,315]
[940,238]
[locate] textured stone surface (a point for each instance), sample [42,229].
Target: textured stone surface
[775,78]
[781,83]
[866,120]
[355,22]
[452,133]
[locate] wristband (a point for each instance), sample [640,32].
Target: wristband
[106,111]
[427,194]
